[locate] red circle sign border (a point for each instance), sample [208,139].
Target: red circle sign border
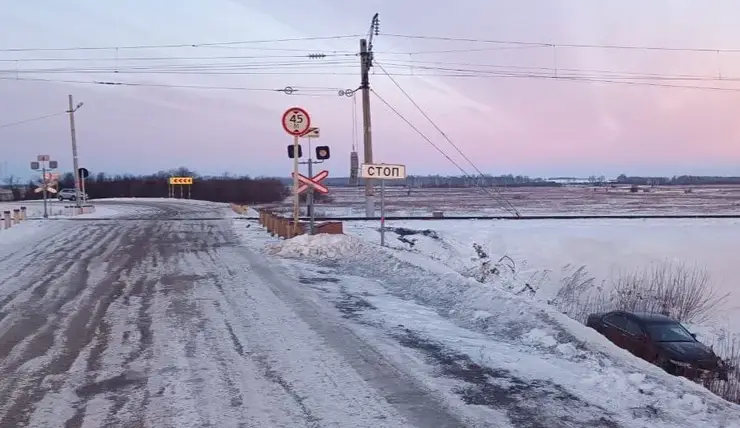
[305,113]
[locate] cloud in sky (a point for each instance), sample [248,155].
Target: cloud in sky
[511,115]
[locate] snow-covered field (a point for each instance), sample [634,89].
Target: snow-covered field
[545,252]
[539,201]
[511,354]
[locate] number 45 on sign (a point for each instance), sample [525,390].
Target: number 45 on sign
[296,121]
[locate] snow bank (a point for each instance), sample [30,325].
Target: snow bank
[559,348]
[20,233]
[323,245]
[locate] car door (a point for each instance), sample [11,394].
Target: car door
[635,339]
[614,329]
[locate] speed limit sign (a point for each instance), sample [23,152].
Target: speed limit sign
[296,121]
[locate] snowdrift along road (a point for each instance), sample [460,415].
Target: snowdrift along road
[511,354]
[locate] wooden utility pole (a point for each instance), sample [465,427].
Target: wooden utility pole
[75,164]
[367,131]
[366,61]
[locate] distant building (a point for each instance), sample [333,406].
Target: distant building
[569,180]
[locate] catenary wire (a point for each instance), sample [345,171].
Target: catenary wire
[33,119]
[240,69]
[436,147]
[248,44]
[410,63]
[172,58]
[180,45]
[307,61]
[507,203]
[163,85]
[11,77]
[561,45]
[418,131]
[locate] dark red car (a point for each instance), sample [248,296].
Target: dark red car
[662,341]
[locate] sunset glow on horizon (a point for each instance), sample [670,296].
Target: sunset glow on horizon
[585,102]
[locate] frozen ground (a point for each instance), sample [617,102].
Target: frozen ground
[36,228]
[501,360]
[162,318]
[540,201]
[157,314]
[544,252]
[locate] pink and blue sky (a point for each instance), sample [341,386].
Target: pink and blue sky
[517,120]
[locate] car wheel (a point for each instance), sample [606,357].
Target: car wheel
[666,365]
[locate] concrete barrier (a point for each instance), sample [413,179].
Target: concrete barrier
[7,221]
[24,214]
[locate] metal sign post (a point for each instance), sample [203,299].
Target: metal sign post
[382,213]
[311,133]
[46,195]
[309,198]
[383,172]
[296,195]
[178,182]
[312,184]
[296,122]
[83,174]
[44,163]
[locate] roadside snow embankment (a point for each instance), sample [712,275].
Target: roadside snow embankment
[544,345]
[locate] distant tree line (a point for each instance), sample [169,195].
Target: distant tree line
[681,180]
[441,181]
[226,188]
[508,180]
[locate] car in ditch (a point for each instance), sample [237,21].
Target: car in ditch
[660,340]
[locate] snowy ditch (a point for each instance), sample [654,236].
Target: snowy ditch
[507,351]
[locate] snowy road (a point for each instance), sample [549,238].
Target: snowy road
[165,320]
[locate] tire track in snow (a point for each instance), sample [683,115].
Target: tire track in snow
[76,304]
[167,324]
[28,331]
[41,263]
[391,386]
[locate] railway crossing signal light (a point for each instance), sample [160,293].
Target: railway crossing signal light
[322,152]
[291,151]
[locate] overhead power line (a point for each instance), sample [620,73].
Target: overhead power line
[412,64]
[473,74]
[503,200]
[179,45]
[415,67]
[179,58]
[288,90]
[33,119]
[562,45]
[418,131]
